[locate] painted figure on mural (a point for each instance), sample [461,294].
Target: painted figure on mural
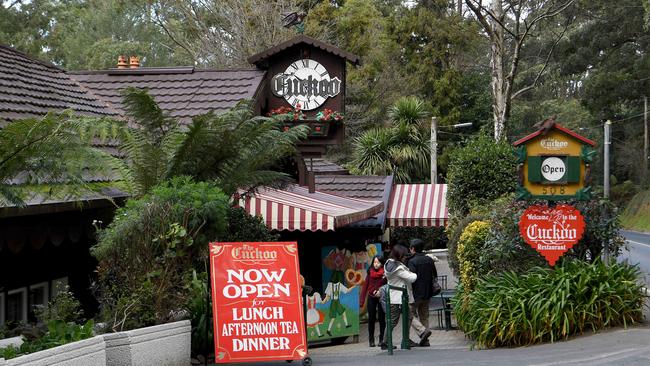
[315,317]
[333,293]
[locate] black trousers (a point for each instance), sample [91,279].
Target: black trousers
[374,310]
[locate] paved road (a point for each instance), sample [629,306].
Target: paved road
[616,347]
[638,251]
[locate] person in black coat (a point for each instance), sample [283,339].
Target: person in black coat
[425,268]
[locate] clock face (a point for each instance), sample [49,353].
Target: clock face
[305,84]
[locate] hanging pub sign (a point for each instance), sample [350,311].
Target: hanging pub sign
[554,164]
[257,302]
[551,230]
[305,84]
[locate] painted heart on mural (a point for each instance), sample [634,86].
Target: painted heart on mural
[551,230]
[353,277]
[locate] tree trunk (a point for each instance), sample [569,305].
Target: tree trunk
[500,99]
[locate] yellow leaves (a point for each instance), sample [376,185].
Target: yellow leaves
[469,247]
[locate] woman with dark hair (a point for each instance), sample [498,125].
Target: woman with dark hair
[374,280]
[400,276]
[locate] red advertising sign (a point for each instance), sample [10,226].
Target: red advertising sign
[551,230]
[257,302]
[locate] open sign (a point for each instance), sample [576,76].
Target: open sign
[553,169]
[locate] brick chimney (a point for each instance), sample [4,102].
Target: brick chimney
[134,62]
[121,62]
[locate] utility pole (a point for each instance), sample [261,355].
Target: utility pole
[434,150]
[608,141]
[434,146]
[645,139]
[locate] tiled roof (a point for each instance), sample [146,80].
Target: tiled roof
[30,88]
[182,92]
[370,188]
[261,57]
[324,167]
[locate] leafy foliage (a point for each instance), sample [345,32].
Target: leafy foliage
[511,309]
[636,215]
[63,307]
[244,227]
[149,251]
[234,149]
[58,333]
[433,237]
[470,247]
[401,150]
[479,172]
[26,150]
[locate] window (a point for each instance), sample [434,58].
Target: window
[17,305]
[2,308]
[38,296]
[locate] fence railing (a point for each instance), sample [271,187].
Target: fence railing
[406,344]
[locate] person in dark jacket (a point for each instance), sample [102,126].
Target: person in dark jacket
[424,267]
[374,280]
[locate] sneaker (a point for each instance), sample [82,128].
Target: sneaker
[425,343]
[413,344]
[371,343]
[384,346]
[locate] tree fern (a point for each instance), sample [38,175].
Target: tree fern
[55,150]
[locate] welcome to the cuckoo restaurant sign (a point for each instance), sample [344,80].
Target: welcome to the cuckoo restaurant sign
[551,230]
[257,302]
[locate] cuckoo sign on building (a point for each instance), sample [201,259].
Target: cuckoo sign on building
[554,164]
[305,84]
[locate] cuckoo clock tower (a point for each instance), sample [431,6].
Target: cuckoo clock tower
[305,82]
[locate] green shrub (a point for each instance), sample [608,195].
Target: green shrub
[433,237]
[58,333]
[620,194]
[602,226]
[452,244]
[636,215]
[479,172]
[63,307]
[504,249]
[512,309]
[147,254]
[469,251]
[244,227]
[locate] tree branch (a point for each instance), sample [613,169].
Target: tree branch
[539,74]
[551,13]
[498,21]
[171,36]
[481,18]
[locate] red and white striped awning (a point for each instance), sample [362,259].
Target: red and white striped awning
[294,208]
[418,205]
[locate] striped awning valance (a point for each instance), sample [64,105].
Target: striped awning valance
[294,208]
[418,205]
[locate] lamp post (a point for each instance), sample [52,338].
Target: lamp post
[434,146]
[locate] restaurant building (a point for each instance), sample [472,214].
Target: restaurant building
[47,242]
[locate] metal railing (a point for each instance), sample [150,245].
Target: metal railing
[406,344]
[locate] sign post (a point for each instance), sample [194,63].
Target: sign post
[554,165]
[257,302]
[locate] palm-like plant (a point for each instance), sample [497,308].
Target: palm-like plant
[236,149]
[49,157]
[401,150]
